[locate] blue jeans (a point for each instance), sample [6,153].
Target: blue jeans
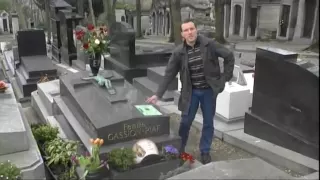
[207,101]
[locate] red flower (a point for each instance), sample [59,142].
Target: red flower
[85,45]
[90,27]
[79,34]
[187,157]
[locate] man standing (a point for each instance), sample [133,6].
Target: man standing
[197,61]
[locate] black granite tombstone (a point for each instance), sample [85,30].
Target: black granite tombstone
[285,104]
[55,6]
[68,21]
[34,62]
[124,58]
[118,118]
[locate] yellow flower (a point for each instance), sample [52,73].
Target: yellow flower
[97,41]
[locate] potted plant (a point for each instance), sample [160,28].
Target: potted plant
[94,43]
[9,171]
[121,159]
[44,133]
[91,163]
[58,153]
[3,87]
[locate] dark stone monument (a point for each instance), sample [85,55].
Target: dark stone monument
[124,58]
[68,21]
[149,85]
[285,104]
[117,118]
[33,60]
[55,7]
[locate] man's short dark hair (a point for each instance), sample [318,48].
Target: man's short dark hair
[187,21]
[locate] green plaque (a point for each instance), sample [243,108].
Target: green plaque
[148,110]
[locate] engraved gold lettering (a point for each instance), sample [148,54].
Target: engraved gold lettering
[134,130]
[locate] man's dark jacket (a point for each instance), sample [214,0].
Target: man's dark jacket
[178,62]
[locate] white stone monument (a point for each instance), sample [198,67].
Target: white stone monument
[234,101]
[15,24]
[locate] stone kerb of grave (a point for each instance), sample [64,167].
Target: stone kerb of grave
[13,136]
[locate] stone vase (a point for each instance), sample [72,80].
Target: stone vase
[95,62]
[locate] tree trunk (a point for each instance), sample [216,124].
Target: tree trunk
[138,16]
[48,21]
[92,13]
[171,36]
[109,7]
[219,22]
[176,20]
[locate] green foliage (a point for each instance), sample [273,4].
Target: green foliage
[121,158]
[9,171]
[40,4]
[59,151]
[5,5]
[91,163]
[129,7]
[68,174]
[44,133]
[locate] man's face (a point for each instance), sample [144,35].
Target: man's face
[189,32]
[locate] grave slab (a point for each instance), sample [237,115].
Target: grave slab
[113,114]
[29,161]
[12,128]
[253,168]
[75,131]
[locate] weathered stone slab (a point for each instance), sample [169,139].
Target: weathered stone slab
[29,161]
[253,168]
[12,128]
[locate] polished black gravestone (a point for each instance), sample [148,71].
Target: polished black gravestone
[149,84]
[125,60]
[33,60]
[55,7]
[68,21]
[117,118]
[285,104]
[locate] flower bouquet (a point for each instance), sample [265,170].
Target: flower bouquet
[91,163]
[3,87]
[94,42]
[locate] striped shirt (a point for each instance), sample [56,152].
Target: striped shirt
[196,68]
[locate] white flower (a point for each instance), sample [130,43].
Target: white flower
[97,41]
[104,41]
